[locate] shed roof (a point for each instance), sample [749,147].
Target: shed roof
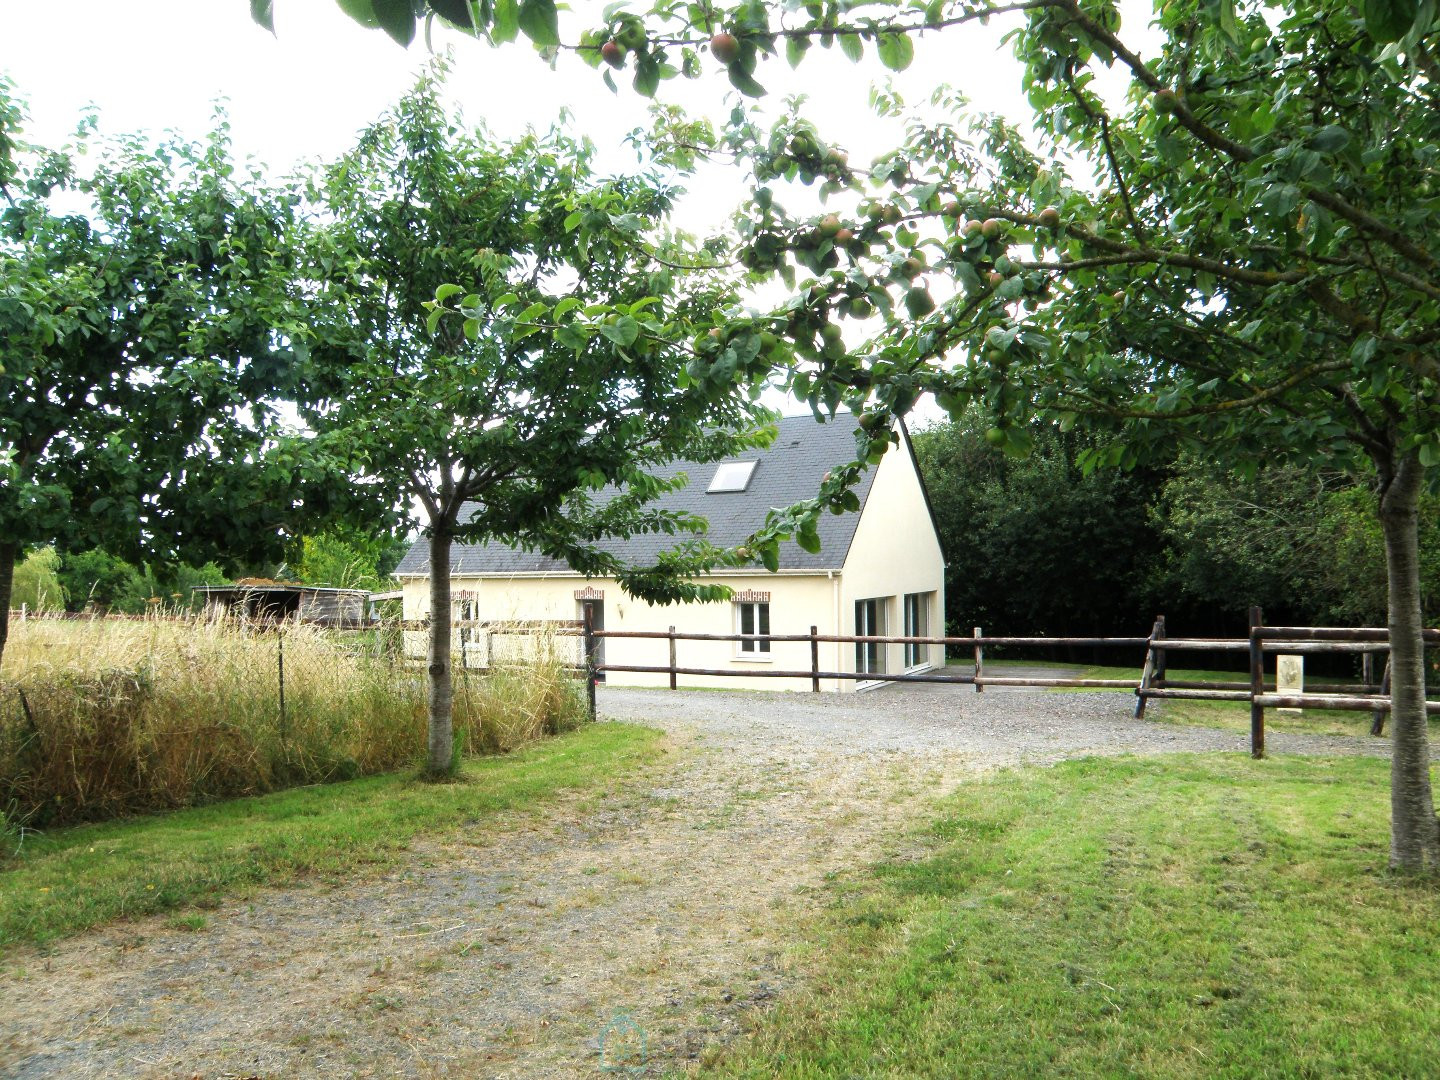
[274,587]
[790,470]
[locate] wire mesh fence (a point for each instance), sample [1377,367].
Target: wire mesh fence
[102,715]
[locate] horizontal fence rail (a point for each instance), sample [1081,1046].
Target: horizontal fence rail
[1367,695]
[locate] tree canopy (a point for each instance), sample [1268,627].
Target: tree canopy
[530,406]
[146,305]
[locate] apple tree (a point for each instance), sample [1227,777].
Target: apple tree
[531,405]
[145,306]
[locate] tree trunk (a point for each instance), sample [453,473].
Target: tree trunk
[1414,837]
[439,759]
[8,552]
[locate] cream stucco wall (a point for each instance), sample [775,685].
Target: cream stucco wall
[797,601]
[895,551]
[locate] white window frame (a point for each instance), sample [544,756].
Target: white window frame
[753,651]
[916,608]
[862,666]
[731,477]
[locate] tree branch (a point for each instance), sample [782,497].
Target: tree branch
[1219,407]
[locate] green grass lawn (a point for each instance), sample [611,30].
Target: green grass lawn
[67,880]
[1229,715]
[1191,916]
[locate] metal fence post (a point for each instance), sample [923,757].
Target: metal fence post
[979,662]
[1257,684]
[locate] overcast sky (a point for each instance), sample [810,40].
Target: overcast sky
[304,93]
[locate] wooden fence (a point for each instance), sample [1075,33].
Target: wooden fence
[1365,696]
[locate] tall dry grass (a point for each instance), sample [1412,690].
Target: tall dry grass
[103,717]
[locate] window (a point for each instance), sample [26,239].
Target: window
[753,619]
[917,624]
[869,622]
[731,476]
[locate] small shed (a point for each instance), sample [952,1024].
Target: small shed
[274,601]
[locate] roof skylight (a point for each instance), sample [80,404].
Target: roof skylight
[731,476]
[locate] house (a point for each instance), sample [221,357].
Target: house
[879,571]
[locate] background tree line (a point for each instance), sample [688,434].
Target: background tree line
[1036,544]
[93,579]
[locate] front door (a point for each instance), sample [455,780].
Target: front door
[595,610]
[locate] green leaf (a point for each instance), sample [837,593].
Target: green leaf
[770,556]
[1329,140]
[506,25]
[263,12]
[647,76]
[852,47]
[795,50]
[454,11]
[741,80]
[449,289]
[623,332]
[396,18]
[1389,20]
[969,279]
[895,50]
[362,11]
[572,337]
[540,21]
[808,537]
[1229,25]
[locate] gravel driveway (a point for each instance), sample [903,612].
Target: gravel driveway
[1004,725]
[641,927]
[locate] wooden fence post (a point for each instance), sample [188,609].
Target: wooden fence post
[590,647]
[1147,670]
[1159,633]
[672,658]
[1377,718]
[1257,684]
[814,659]
[979,663]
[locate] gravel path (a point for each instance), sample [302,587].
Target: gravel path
[648,922]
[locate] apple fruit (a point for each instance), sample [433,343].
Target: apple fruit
[919,302]
[725,47]
[613,53]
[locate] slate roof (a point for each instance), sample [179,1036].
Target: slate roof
[789,471]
